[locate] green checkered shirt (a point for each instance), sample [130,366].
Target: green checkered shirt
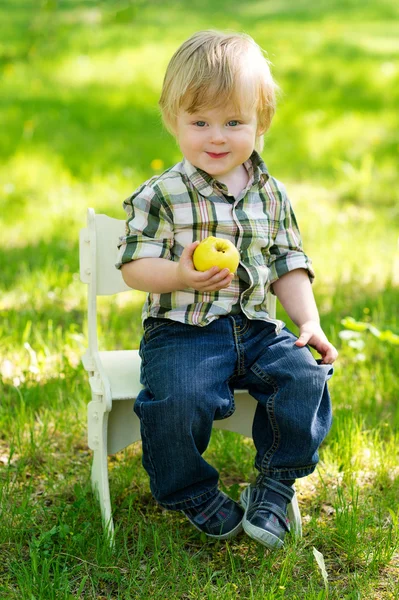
[185,204]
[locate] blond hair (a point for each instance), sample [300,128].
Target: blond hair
[212,69]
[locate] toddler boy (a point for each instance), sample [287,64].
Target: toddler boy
[208,333]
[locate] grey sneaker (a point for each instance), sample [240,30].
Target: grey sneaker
[220,519]
[265,521]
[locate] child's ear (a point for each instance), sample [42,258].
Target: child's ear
[170,126]
[259,143]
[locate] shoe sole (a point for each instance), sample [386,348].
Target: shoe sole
[257,533]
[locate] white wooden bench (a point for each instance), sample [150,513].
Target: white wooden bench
[114,376]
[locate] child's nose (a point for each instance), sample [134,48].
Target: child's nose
[217,135]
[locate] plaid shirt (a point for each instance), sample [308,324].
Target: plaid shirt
[185,204]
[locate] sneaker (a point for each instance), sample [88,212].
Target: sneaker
[264,520]
[220,518]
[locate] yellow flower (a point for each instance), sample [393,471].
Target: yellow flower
[157,164]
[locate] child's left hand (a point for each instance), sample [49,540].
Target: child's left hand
[311,333]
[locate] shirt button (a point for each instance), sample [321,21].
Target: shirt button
[258,307]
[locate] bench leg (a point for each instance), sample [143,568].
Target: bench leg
[98,426]
[294,516]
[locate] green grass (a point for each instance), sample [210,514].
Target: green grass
[80,127]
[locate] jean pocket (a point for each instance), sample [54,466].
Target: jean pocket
[153,326]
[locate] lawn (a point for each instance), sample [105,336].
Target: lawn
[79,128]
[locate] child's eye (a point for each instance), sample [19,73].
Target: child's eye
[200,123]
[233,123]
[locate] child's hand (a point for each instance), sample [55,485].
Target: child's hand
[207,281]
[311,333]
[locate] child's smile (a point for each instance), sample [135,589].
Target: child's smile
[220,155]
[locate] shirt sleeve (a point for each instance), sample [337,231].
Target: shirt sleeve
[149,227]
[286,254]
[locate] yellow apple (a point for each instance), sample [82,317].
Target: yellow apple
[216,252]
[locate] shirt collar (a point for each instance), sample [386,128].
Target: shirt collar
[206,184]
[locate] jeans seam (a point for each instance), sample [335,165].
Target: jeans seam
[303,469]
[265,462]
[232,406]
[244,329]
[149,455]
[240,370]
[144,436]
[144,363]
[271,414]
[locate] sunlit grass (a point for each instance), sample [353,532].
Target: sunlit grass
[143,65]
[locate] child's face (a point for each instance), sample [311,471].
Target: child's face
[218,141]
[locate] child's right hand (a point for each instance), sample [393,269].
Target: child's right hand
[212,280]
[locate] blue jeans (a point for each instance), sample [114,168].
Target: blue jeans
[189,375]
